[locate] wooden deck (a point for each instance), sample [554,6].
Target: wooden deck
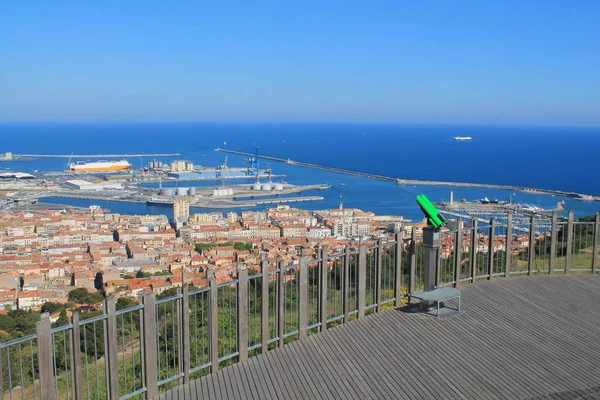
[529,337]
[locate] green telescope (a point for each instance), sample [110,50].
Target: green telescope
[434,218]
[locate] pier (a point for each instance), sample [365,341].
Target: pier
[400,181]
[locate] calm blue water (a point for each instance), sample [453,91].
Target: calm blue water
[542,157]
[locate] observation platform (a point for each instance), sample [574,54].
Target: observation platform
[515,338]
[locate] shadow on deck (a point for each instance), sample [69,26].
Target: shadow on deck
[517,338]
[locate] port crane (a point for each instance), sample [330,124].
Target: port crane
[253,163]
[223,170]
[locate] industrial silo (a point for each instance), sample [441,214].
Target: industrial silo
[166,192]
[265,186]
[256,186]
[182,191]
[278,186]
[192,191]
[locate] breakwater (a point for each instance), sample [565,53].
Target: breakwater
[401,181]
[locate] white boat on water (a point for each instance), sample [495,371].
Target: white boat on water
[462,138]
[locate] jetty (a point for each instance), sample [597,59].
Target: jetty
[400,181]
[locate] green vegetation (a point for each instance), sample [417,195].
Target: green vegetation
[201,247]
[82,296]
[242,246]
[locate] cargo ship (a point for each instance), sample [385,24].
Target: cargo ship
[95,166]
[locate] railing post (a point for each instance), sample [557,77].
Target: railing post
[76,357]
[531,244]
[569,260]
[112,347]
[185,333]
[553,240]
[378,270]
[473,249]
[398,275]
[324,288]
[264,308]
[438,267]
[362,280]
[596,243]
[45,365]
[508,244]
[213,322]
[242,311]
[1,378]
[412,274]
[303,297]
[281,303]
[149,345]
[458,253]
[346,283]
[491,248]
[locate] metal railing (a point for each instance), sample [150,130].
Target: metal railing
[138,351]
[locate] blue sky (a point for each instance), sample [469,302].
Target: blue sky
[407,61]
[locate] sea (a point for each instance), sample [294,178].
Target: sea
[561,158]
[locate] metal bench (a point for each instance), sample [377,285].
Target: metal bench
[437,296]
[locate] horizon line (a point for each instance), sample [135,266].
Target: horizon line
[490,124]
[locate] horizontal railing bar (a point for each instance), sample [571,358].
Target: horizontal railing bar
[336,318]
[337,255]
[368,307]
[353,312]
[255,276]
[17,341]
[447,283]
[92,320]
[292,333]
[62,328]
[581,269]
[196,291]
[313,325]
[171,378]
[228,356]
[518,272]
[130,309]
[170,298]
[465,279]
[498,274]
[387,301]
[228,283]
[273,340]
[129,395]
[255,346]
[199,367]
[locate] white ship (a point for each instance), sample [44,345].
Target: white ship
[462,138]
[86,166]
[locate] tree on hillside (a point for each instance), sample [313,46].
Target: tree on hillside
[99,282]
[51,307]
[125,302]
[7,323]
[82,296]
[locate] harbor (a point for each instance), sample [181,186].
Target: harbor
[157,183]
[400,181]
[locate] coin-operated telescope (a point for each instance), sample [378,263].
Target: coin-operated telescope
[434,218]
[431,241]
